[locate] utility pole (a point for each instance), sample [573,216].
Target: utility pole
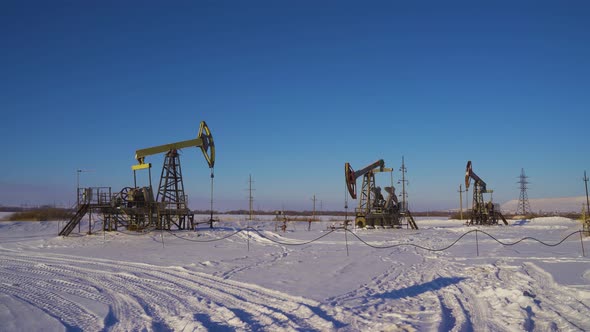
[78,171]
[466,199]
[86,198]
[251,199]
[461,191]
[78,188]
[403,170]
[313,214]
[586,184]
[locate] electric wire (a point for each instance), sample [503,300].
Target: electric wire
[293,244]
[463,235]
[530,238]
[256,231]
[409,244]
[151,230]
[209,240]
[363,241]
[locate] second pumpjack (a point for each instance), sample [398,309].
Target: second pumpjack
[373,209]
[482,213]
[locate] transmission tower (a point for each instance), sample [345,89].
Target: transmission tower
[250,198]
[403,181]
[523,207]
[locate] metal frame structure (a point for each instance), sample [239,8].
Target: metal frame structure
[373,209]
[135,207]
[523,208]
[482,213]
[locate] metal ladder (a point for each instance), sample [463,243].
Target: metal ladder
[69,227]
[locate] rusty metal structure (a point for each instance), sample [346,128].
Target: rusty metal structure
[482,213]
[373,209]
[135,208]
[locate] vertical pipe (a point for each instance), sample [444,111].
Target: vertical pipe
[346,239]
[150,177]
[477,242]
[461,202]
[345,207]
[211,218]
[582,243]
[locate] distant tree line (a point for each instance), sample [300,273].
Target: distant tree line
[41,214]
[25,208]
[48,212]
[570,215]
[317,213]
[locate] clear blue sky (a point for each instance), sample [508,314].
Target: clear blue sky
[291,91]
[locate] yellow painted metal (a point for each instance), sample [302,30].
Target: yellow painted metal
[204,140]
[141,166]
[360,221]
[208,146]
[384,169]
[142,153]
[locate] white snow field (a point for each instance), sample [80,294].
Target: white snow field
[124,281]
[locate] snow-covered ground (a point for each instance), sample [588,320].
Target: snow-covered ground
[168,281]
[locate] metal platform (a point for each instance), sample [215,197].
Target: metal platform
[132,209]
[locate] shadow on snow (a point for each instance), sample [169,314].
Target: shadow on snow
[415,290]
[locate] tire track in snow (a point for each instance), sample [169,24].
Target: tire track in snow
[291,306]
[394,300]
[519,298]
[402,294]
[274,258]
[468,311]
[142,310]
[72,315]
[142,296]
[41,275]
[550,305]
[119,306]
